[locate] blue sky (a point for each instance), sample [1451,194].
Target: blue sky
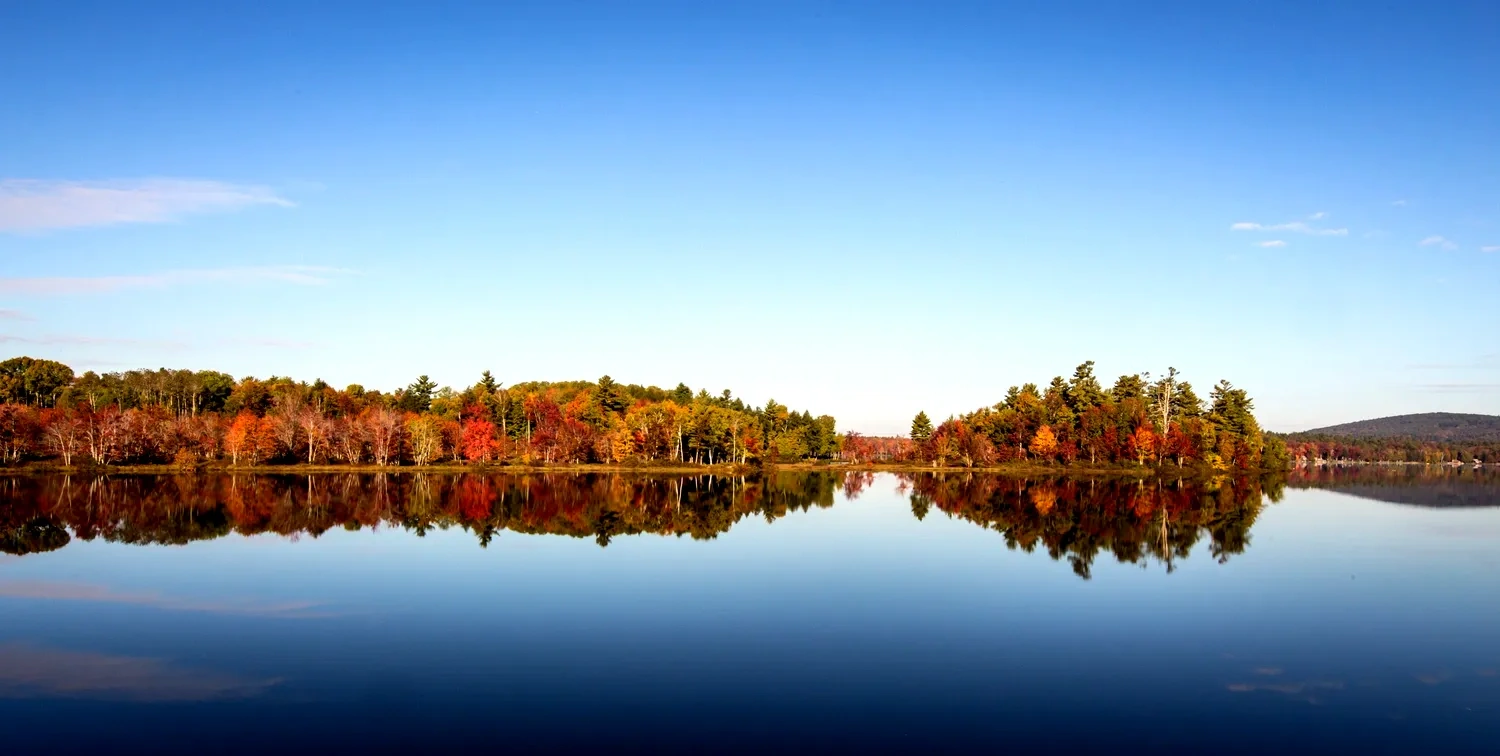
[864,209]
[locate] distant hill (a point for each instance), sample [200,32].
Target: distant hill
[1428,426]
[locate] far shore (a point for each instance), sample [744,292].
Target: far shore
[1012,469]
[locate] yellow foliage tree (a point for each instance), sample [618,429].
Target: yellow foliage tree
[1044,443]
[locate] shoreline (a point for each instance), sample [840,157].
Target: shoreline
[1014,469]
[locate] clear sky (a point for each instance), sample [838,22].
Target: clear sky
[857,208]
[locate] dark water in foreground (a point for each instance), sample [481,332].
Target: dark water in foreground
[798,613]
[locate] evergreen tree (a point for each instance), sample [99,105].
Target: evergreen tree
[921,427]
[418,396]
[1084,392]
[489,383]
[611,399]
[1232,411]
[1128,387]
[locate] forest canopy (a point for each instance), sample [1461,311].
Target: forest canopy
[188,417]
[1137,420]
[184,416]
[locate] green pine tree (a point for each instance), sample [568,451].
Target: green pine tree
[921,427]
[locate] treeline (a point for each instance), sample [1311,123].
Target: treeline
[1136,421]
[1322,448]
[186,417]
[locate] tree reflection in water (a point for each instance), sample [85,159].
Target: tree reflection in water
[1072,519]
[1078,519]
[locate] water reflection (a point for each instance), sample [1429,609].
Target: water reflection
[1137,522]
[177,509]
[892,622]
[1076,520]
[32,671]
[1414,485]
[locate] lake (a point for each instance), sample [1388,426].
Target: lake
[1349,611]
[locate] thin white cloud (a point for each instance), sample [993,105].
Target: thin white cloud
[1317,216]
[13,315]
[1398,203]
[29,205]
[1491,248]
[1271,243]
[68,340]
[305,275]
[269,343]
[1300,227]
[1438,241]
[105,341]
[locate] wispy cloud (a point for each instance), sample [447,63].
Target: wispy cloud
[269,343]
[1490,248]
[69,340]
[29,205]
[1398,203]
[1438,241]
[1271,243]
[13,315]
[1459,388]
[1299,227]
[306,275]
[1320,215]
[1481,362]
[31,671]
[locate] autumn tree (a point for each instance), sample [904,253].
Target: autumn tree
[63,431]
[1142,444]
[20,432]
[1044,443]
[239,440]
[426,437]
[479,444]
[383,429]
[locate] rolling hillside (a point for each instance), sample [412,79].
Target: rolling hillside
[1429,426]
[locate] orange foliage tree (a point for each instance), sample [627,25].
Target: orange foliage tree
[1044,443]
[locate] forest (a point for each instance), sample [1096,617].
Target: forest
[1314,448]
[1137,421]
[186,417]
[189,418]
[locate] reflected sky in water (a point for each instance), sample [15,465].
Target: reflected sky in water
[815,621]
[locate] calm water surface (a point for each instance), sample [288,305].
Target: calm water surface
[803,612]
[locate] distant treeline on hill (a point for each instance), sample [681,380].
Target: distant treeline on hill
[1443,427]
[186,417]
[1432,438]
[1312,448]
